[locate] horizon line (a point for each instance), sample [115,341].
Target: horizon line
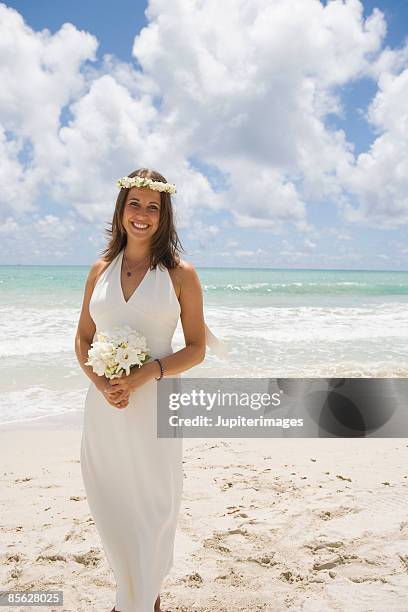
[219,268]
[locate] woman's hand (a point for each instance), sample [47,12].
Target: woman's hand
[117,397]
[136,378]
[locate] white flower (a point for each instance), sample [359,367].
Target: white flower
[98,366]
[127,357]
[139,181]
[117,351]
[119,335]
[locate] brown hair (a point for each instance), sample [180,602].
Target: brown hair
[165,244]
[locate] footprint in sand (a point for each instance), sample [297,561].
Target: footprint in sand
[289,576]
[51,557]
[74,535]
[192,580]
[78,532]
[231,579]
[91,557]
[14,558]
[266,560]
[16,572]
[216,541]
[215,544]
[404,561]
[329,564]
[361,579]
[352,565]
[314,546]
[328,515]
[233,509]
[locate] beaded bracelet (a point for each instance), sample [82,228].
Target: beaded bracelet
[161,369]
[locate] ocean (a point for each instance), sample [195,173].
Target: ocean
[276,323]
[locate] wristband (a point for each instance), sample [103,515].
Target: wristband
[161,369]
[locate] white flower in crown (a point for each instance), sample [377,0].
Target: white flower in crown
[139,181]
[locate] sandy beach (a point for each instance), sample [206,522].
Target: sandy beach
[268,524]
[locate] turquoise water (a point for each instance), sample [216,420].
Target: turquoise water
[275,322]
[222,283]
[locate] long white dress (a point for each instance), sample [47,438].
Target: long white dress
[133,480]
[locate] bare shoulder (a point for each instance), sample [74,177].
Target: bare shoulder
[186,269]
[97,268]
[184,276]
[185,272]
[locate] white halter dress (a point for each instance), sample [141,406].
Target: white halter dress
[133,480]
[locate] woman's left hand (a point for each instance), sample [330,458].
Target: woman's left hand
[136,378]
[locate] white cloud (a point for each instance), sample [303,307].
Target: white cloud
[250,253]
[243,253]
[42,236]
[109,128]
[309,245]
[200,234]
[255,101]
[40,74]
[339,234]
[380,176]
[245,87]
[8,227]
[54,228]
[16,187]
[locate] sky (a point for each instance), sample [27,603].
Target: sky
[283,124]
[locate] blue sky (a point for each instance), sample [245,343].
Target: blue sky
[287,143]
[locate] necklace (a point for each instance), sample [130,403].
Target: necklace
[130,270]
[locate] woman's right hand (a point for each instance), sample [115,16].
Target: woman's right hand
[115,397]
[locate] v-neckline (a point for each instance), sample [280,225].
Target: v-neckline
[120,280]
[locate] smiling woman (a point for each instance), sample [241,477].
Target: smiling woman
[133,479]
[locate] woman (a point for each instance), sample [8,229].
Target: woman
[132,478]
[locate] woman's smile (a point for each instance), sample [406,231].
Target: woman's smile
[140,227]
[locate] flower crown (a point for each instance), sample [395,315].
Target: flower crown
[139,181]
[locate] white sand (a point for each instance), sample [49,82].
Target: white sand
[301,524]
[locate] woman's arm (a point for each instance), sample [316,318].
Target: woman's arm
[86,326]
[85,333]
[192,320]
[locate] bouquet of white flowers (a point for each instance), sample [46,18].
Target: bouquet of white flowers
[117,351]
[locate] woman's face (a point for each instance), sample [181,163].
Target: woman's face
[142,208]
